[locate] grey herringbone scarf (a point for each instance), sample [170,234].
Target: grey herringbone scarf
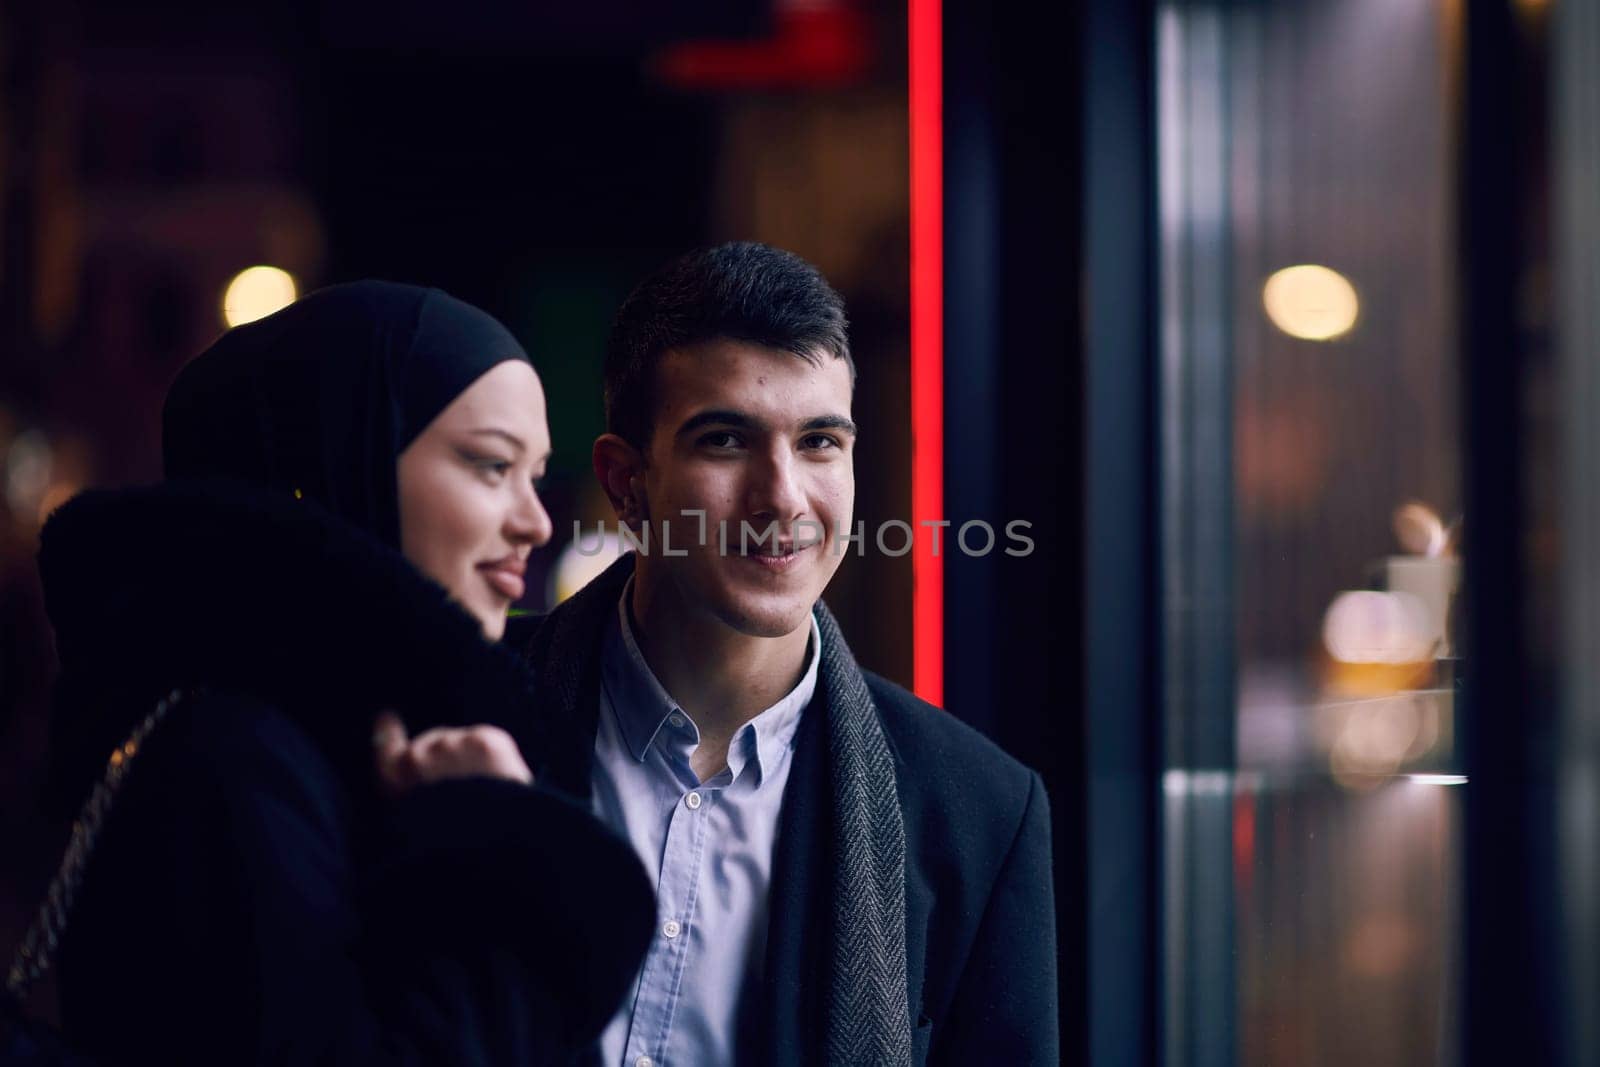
[868,1009]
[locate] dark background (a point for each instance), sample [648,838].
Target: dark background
[537,160]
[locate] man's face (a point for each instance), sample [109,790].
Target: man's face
[753,435]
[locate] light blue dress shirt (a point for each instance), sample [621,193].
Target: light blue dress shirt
[707,846]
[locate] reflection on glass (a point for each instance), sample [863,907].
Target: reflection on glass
[1310,484]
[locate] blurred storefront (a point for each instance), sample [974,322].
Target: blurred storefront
[1369,278]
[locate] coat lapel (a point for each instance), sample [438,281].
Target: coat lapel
[565,653]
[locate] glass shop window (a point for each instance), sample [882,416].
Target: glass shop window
[1310,513]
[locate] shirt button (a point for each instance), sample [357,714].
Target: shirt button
[675,719]
[693,800]
[644,1061]
[670,929]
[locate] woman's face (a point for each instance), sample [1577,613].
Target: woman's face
[469,506]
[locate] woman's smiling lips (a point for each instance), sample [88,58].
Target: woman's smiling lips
[505,576]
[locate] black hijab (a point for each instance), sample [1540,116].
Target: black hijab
[320,399]
[315,401]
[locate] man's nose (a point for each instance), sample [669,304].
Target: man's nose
[775,490]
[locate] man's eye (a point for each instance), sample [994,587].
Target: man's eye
[720,439]
[820,442]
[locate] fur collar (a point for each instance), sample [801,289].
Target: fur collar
[238,589]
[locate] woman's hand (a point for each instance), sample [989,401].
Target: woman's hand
[434,755]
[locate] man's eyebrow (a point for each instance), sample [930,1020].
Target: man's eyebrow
[721,418]
[830,422]
[742,421]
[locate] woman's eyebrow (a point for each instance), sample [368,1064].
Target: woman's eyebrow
[515,441]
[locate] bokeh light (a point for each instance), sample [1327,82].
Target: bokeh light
[257,292]
[1310,302]
[583,560]
[1365,626]
[28,463]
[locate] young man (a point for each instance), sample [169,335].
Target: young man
[844,873]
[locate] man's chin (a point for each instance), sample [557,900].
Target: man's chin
[761,617]
[751,608]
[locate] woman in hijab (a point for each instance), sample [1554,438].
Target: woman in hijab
[325,847]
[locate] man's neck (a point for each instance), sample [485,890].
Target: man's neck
[720,677]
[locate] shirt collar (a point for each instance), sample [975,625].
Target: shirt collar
[643,706]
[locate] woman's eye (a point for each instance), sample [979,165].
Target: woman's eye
[490,466]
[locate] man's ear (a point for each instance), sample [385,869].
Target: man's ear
[620,468]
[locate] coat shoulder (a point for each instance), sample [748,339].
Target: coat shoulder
[520,628]
[945,758]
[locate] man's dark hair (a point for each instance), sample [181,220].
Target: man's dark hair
[742,291]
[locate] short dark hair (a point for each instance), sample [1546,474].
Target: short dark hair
[742,291]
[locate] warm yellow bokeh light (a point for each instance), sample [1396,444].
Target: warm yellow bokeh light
[1310,302]
[256,292]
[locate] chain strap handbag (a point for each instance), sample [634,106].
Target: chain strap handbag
[28,1040]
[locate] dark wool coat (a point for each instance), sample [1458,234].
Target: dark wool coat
[980,913]
[254,899]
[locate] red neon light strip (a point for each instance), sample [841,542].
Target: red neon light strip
[927,343]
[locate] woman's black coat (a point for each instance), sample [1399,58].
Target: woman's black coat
[254,898]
